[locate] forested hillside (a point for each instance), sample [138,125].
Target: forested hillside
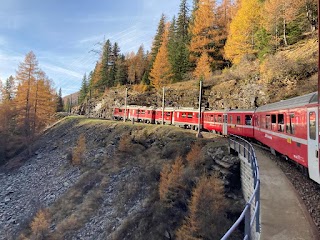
[202,40]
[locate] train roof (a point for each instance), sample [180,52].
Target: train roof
[290,103]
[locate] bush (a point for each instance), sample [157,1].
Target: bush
[171,184]
[125,143]
[40,225]
[195,157]
[79,151]
[207,217]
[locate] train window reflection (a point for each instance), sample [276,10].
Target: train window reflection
[290,125]
[312,126]
[281,122]
[248,119]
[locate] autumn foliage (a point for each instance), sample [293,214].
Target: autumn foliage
[203,69]
[161,74]
[171,178]
[40,225]
[207,217]
[79,151]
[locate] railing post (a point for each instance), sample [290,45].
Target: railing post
[257,198]
[247,229]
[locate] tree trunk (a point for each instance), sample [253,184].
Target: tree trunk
[284,33]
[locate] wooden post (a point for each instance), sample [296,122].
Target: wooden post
[163,106]
[199,135]
[125,106]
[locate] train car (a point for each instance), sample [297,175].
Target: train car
[187,118]
[141,114]
[146,115]
[133,113]
[213,121]
[290,127]
[168,114]
[120,112]
[240,122]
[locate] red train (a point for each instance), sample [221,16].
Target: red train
[289,127]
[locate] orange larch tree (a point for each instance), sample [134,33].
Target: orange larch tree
[35,98]
[26,76]
[207,217]
[241,38]
[202,29]
[161,73]
[203,69]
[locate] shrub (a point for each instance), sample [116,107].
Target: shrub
[207,217]
[125,143]
[171,184]
[195,157]
[40,225]
[79,151]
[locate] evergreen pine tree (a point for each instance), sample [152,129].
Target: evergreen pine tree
[122,71]
[59,101]
[158,38]
[104,81]
[84,88]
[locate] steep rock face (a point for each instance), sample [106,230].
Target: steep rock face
[230,94]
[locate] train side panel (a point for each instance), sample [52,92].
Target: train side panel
[240,122]
[285,131]
[168,114]
[186,118]
[213,121]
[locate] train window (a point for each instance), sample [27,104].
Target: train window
[183,115]
[273,122]
[120,110]
[290,124]
[215,118]
[268,121]
[219,118]
[168,114]
[281,122]
[230,119]
[238,119]
[197,115]
[248,119]
[189,115]
[312,126]
[148,112]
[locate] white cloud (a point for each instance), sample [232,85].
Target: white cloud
[60,70]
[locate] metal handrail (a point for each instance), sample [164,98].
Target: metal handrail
[250,219]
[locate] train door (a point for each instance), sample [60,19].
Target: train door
[313,145]
[225,124]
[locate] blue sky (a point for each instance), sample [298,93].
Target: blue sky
[61,33]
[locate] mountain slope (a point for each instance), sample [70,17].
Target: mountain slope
[113,193]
